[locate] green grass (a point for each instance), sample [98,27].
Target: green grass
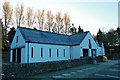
[5,60]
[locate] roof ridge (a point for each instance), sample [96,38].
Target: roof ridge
[80,33]
[44,31]
[53,32]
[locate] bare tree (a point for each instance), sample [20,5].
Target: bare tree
[50,20]
[7,13]
[59,22]
[54,28]
[40,18]
[30,17]
[19,14]
[66,21]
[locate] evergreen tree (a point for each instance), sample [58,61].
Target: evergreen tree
[73,29]
[99,36]
[118,38]
[102,38]
[112,37]
[11,34]
[80,29]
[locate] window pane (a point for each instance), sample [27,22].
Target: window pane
[50,52]
[41,52]
[89,44]
[57,53]
[32,52]
[17,39]
[64,52]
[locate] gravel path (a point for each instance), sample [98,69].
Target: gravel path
[110,62]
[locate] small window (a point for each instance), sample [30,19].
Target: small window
[64,52]
[89,43]
[41,52]
[57,53]
[50,52]
[17,39]
[32,52]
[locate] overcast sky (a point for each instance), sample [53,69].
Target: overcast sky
[90,15]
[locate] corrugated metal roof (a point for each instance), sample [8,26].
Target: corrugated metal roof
[38,36]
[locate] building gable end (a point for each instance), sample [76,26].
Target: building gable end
[18,40]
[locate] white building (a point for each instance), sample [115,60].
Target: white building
[31,45]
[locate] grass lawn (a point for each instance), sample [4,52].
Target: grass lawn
[5,60]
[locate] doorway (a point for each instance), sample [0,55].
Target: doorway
[14,55]
[19,55]
[85,52]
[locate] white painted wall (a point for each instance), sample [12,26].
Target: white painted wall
[101,51]
[27,52]
[85,42]
[21,41]
[89,52]
[19,44]
[77,51]
[37,52]
[23,56]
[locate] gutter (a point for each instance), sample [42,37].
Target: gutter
[52,43]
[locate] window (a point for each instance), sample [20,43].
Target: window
[49,52]
[89,43]
[17,39]
[64,52]
[57,53]
[32,52]
[41,52]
